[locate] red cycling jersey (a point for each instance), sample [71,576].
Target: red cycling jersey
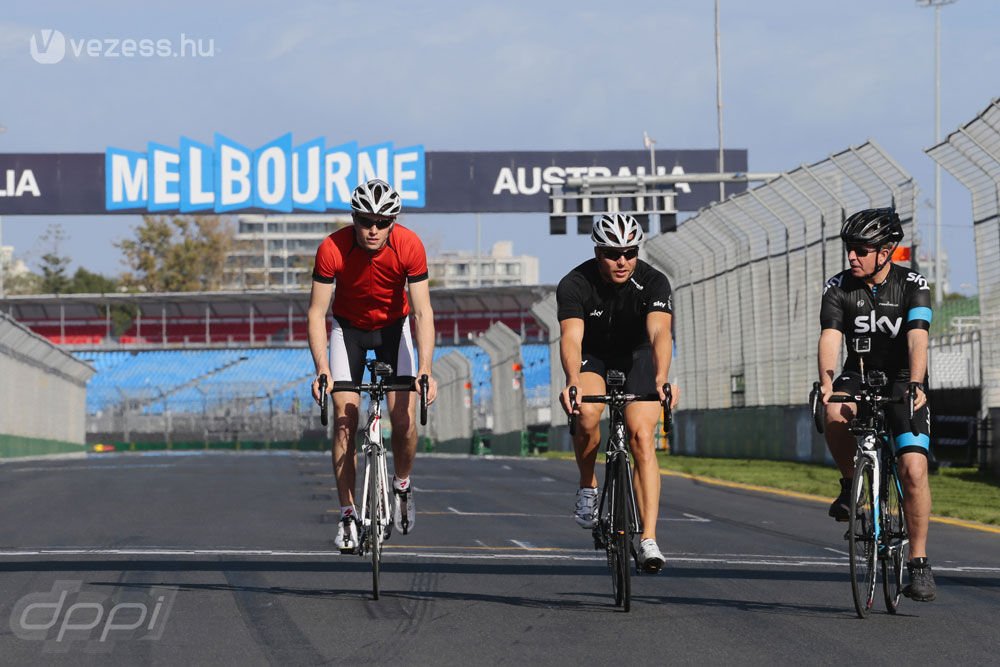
[370,286]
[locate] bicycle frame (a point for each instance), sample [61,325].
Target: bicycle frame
[376,510]
[616,452]
[376,469]
[617,525]
[874,452]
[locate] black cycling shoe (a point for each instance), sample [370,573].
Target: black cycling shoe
[921,587]
[840,509]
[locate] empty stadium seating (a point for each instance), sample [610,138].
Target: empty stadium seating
[154,381]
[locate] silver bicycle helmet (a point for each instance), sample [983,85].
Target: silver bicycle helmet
[376,197]
[616,230]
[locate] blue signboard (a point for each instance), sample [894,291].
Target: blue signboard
[226,176]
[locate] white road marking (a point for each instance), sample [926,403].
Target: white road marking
[461,513]
[93,468]
[527,552]
[524,545]
[838,551]
[688,518]
[423,490]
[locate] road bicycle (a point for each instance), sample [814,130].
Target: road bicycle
[375,523]
[618,520]
[877,524]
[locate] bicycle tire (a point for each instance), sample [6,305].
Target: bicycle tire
[861,538]
[607,530]
[623,535]
[896,541]
[375,525]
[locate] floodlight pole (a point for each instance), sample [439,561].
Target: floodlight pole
[2,294]
[938,264]
[2,257]
[718,98]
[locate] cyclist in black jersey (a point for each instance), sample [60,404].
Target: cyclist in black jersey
[615,312]
[890,305]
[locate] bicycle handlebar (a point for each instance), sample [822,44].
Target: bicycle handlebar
[815,401]
[625,398]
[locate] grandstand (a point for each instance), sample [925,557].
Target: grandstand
[247,318]
[212,366]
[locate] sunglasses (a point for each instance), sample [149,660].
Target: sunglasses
[859,250]
[614,255]
[367,223]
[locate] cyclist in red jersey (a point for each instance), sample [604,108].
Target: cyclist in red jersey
[372,261]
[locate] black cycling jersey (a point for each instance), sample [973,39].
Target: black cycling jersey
[614,316]
[884,313]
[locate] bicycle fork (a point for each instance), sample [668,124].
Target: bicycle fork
[375,464]
[868,450]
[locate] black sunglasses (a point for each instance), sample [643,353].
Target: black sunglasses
[614,255]
[859,250]
[366,222]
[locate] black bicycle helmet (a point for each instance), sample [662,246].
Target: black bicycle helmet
[873,227]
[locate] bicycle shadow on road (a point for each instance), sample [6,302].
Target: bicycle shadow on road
[560,601]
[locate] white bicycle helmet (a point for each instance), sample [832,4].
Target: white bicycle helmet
[376,197]
[616,230]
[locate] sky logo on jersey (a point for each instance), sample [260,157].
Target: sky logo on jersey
[868,324]
[228,177]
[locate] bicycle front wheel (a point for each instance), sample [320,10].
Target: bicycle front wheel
[621,536]
[861,538]
[377,518]
[895,539]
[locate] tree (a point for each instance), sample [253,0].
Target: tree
[177,254]
[53,264]
[85,282]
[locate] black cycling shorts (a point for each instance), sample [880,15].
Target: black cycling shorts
[897,415]
[349,348]
[640,374]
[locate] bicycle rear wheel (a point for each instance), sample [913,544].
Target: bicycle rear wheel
[861,538]
[376,511]
[896,541]
[621,536]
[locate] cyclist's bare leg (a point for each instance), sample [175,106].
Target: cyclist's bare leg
[916,500]
[402,416]
[641,419]
[345,428]
[588,429]
[839,439]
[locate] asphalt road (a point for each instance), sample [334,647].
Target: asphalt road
[228,558]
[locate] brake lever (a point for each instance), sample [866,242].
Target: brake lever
[572,411]
[323,418]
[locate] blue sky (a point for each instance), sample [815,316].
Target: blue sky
[800,80]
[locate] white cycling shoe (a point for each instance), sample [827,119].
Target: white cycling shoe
[347,534]
[650,558]
[586,508]
[404,512]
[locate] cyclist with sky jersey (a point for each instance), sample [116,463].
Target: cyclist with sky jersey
[615,312]
[372,262]
[889,304]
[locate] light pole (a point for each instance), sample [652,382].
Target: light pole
[650,143]
[718,98]
[938,264]
[2,267]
